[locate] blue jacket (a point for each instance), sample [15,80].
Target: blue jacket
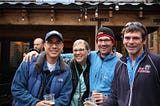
[101,72]
[28,85]
[146,85]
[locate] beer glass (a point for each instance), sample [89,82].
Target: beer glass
[50,97]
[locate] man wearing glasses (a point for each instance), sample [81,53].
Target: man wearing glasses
[136,79]
[103,64]
[45,74]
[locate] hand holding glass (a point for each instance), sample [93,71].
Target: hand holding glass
[50,97]
[89,102]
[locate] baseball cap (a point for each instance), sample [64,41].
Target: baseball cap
[54,33]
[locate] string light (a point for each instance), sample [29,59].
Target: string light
[80,17]
[116,7]
[85,14]
[141,12]
[23,15]
[52,15]
[96,12]
[110,12]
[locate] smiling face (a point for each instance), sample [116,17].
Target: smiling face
[133,43]
[105,45]
[53,47]
[38,44]
[80,52]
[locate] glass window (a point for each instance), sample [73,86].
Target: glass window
[17,49]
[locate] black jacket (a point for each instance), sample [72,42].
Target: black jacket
[75,78]
[146,85]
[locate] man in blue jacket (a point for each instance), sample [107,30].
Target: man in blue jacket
[45,74]
[136,79]
[103,63]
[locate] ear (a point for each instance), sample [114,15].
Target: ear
[44,45]
[62,46]
[144,42]
[89,51]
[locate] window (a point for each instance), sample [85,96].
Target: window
[17,49]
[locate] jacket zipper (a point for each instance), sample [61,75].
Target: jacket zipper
[130,97]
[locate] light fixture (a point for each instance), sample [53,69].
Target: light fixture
[23,14]
[116,6]
[80,16]
[85,14]
[96,12]
[79,19]
[52,15]
[110,12]
[140,14]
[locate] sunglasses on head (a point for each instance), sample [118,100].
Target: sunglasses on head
[137,24]
[134,23]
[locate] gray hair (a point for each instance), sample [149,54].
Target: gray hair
[81,41]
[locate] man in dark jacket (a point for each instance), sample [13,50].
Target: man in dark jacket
[46,74]
[136,79]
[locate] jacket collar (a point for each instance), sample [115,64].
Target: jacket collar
[124,58]
[42,58]
[109,56]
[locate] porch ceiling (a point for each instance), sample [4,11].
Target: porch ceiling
[128,6]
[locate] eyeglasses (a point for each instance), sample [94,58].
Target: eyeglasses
[78,50]
[51,43]
[105,40]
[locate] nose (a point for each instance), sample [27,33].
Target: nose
[103,43]
[131,40]
[77,52]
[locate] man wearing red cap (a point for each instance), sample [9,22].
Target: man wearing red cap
[103,64]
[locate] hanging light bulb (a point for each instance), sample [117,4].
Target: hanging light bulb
[110,12]
[96,12]
[141,12]
[23,15]
[79,19]
[52,15]
[116,7]
[85,14]
[22,19]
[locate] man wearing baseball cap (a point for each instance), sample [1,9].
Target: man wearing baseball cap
[45,74]
[103,64]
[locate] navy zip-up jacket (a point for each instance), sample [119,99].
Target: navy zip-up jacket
[146,84]
[28,86]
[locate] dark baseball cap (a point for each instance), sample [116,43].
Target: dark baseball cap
[54,33]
